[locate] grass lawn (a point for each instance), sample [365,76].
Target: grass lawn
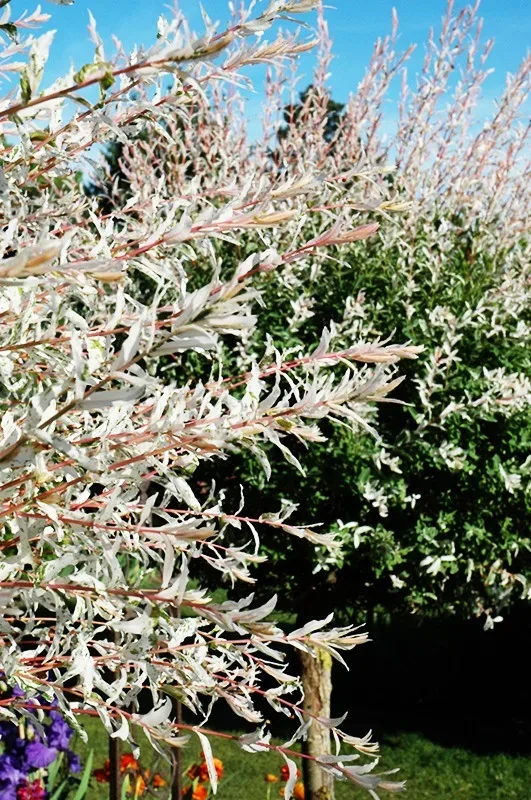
[433,772]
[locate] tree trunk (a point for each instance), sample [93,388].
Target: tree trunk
[115,775]
[177,757]
[177,754]
[115,750]
[317,683]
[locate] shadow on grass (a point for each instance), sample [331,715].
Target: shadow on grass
[451,682]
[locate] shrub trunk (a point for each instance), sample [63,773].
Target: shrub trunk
[317,682]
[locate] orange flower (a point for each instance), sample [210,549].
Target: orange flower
[284,772]
[193,772]
[298,791]
[200,793]
[102,775]
[270,778]
[128,761]
[203,770]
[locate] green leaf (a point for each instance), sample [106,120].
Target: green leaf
[173,692]
[53,772]
[39,136]
[10,29]
[83,786]
[107,81]
[126,785]
[59,791]
[25,86]
[94,68]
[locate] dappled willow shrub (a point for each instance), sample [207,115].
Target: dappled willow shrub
[433,512]
[102,529]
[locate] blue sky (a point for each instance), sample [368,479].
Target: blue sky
[354,26]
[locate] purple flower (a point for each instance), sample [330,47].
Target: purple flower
[59,732]
[8,734]
[74,761]
[23,754]
[10,777]
[8,791]
[37,755]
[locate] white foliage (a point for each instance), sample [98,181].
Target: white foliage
[102,525]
